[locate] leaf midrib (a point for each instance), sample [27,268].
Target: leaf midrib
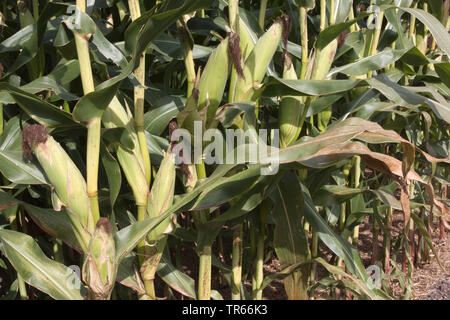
[60,289]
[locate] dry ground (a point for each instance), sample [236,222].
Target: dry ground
[430,282]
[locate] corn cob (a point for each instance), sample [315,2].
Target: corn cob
[246,46]
[213,80]
[290,112]
[160,199]
[99,268]
[256,64]
[65,177]
[323,60]
[161,195]
[131,161]
[322,63]
[132,164]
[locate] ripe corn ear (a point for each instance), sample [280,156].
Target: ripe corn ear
[322,63]
[246,45]
[161,195]
[65,177]
[290,111]
[160,199]
[256,64]
[214,79]
[99,268]
[131,161]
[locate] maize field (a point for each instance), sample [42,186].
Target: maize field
[223,149]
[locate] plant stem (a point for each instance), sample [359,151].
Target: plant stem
[376,37]
[304,41]
[343,208]
[36,10]
[139,98]
[92,162]
[342,218]
[426,250]
[356,177]
[40,58]
[412,244]
[354,27]
[314,253]
[1,118]
[375,240]
[58,251]
[355,236]
[141,215]
[233,13]
[66,106]
[331,12]
[262,13]
[425,32]
[253,241]
[387,241]
[412,25]
[392,65]
[259,275]
[188,58]
[302,119]
[204,286]
[94,126]
[122,10]
[237,261]
[306,227]
[258,278]
[149,286]
[441,219]
[22,288]
[323,14]
[410,231]
[143,255]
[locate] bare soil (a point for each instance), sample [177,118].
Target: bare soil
[430,281]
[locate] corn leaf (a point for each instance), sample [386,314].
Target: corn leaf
[36,269]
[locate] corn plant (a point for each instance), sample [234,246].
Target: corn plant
[111,182]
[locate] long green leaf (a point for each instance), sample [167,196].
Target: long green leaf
[36,269]
[290,241]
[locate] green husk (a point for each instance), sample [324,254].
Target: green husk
[62,173]
[290,112]
[161,195]
[214,79]
[160,199]
[131,161]
[322,64]
[246,46]
[99,268]
[256,64]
